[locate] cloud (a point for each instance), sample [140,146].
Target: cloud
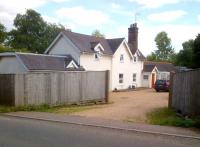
[9,8]
[115,6]
[7,20]
[60,1]
[50,19]
[154,3]
[167,15]
[147,34]
[83,17]
[177,33]
[198,18]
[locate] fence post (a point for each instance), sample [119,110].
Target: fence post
[107,82]
[171,89]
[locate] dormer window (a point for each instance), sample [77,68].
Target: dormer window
[121,58]
[97,55]
[98,50]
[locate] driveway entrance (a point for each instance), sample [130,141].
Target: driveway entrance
[132,105]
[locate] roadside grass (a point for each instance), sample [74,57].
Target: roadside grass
[168,117]
[66,109]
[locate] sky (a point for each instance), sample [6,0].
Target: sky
[179,18]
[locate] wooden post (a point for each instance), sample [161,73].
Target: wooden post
[171,89]
[107,82]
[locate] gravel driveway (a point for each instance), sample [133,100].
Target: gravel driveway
[131,106]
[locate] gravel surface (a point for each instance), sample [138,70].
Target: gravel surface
[131,106]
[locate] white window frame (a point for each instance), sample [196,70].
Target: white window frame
[134,77]
[121,58]
[72,64]
[146,78]
[121,79]
[97,55]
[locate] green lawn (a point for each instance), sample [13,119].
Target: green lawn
[166,116]
[67,109]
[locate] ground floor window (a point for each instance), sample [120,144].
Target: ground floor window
[163,76]
[134,77]
[121,78]
[145,77]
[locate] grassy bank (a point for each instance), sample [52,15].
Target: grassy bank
[168,117]
[67,109]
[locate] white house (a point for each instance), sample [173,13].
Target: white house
[153,71]
[122,58]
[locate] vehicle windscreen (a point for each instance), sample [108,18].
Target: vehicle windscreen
[160,82]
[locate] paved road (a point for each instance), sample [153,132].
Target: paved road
[17,132]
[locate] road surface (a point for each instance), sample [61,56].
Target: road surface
[16,132]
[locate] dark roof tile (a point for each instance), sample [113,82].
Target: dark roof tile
[86,43]
[44,62]
[161,66]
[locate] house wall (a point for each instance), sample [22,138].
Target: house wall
[64,46]
[89,62]
[163,75]
[137,68]
[127,68]
[11,65]
[112,63]
[148,83]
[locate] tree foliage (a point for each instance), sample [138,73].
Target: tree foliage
[7,49]
[196,52]
[165,51]
[2,33]
[189,56]
[97,33]
[185,56]
[32,32]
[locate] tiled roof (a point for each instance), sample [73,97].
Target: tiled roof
[148,68]
[40,62]
[137,51]
[85,43]
[161,66]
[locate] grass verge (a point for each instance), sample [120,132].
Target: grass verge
[168,117]
[66,109]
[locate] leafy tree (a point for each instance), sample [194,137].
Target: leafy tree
[32,32]
[165,52]
[7,49]
[152,57]
[97,33]
[2,33]
[185,56]
[196,52]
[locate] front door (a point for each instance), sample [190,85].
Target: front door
[153,80]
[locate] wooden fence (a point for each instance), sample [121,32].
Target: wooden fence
[185,92]
[53,88]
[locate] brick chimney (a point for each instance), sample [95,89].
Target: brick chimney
[133,36]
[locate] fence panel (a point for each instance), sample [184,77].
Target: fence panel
[185,92]
[53,88]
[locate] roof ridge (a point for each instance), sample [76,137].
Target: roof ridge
[82,34]
[158,62]
[48,55]
[115,38]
